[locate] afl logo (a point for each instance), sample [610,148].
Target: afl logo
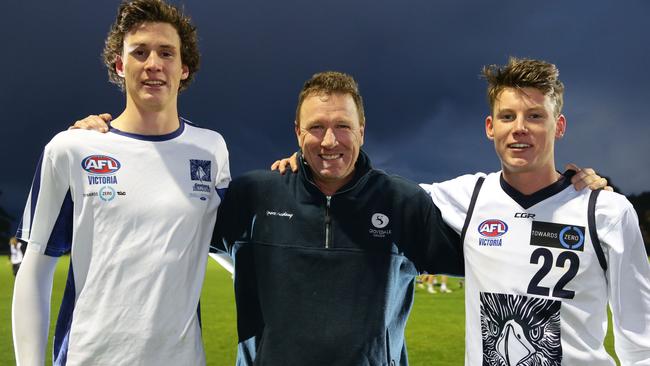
[379,220]
[100,164]
[492,228]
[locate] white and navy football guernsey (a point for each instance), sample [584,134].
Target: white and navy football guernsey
[137,213]
[541,270]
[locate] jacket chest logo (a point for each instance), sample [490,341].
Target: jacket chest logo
[379,221]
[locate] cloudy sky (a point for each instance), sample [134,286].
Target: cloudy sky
[417,63]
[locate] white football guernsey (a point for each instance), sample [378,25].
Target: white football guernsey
[137,213]
[539,275]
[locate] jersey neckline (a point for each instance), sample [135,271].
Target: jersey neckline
[164,137]
[527,201]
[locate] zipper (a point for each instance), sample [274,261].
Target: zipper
[328,222]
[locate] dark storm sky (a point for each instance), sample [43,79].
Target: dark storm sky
[417,63]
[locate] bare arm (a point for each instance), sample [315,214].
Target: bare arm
[31,308]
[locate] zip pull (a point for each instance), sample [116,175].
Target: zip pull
[328,221]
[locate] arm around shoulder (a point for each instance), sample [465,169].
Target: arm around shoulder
[31,308]
[232,217]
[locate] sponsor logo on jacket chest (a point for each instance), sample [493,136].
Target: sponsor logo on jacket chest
[379,222]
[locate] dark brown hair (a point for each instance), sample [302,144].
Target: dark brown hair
[522,73]
[133,13]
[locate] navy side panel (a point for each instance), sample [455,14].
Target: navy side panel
[60,241]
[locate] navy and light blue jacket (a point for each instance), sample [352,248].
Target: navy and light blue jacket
[329,280]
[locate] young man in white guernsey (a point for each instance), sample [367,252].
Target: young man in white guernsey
[542,260]
[136,208]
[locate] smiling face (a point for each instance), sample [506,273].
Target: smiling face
[151,65]
[330,137]
[524,127]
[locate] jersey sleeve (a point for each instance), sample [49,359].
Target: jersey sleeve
[453,198]
[223,178]
[628,278]
[31,308]
[46,223]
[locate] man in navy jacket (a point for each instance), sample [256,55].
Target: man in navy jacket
[325,260]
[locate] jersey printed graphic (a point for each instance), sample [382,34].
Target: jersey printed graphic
[520,330]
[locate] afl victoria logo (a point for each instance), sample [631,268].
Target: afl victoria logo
[379,220]
[100,164]
[492,228]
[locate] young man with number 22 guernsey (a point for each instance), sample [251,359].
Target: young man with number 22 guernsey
[542,260]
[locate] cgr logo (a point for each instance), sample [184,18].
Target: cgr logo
[100,164]
[379,220]
[492,228]
[524,215]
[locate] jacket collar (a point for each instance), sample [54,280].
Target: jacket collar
[361,169]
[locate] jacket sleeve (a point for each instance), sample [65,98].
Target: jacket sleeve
[628,278]
[232,218]
[443,252]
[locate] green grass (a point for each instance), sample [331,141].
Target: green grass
[434,334]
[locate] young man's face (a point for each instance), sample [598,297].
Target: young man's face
[151,65]
[524,127]
[330,137]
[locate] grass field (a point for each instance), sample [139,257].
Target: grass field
[434,333]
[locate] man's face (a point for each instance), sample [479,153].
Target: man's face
[330,137]
[151,65]
[523,127]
